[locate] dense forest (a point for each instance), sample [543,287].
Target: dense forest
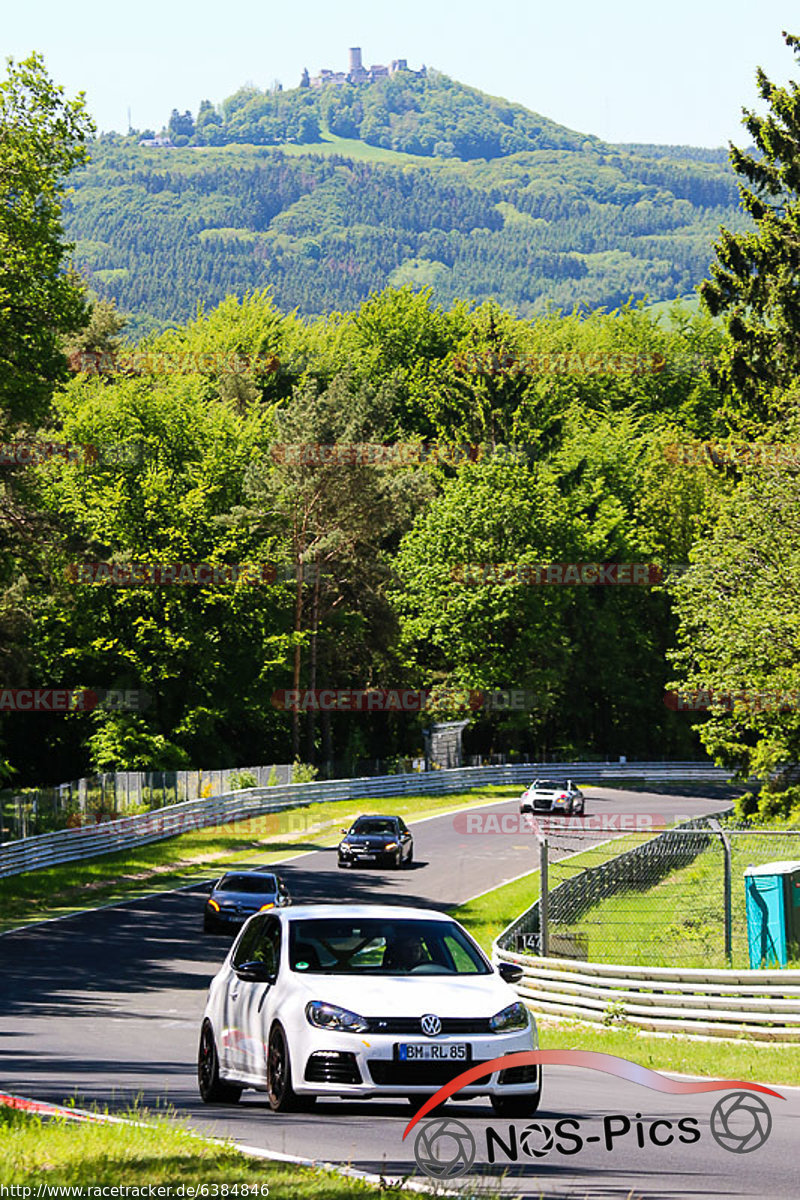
[539,217]
[248,434]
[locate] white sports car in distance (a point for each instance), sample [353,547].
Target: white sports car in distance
[546,795]
[362,1001]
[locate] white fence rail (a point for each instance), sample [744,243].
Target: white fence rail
[763,1005]
[88,841]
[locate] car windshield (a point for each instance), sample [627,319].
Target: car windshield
[247,883]
[382,946]
[374,825]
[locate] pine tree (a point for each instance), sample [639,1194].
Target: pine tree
[755,278]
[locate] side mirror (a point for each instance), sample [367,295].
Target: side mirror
[255,972]
[510,972]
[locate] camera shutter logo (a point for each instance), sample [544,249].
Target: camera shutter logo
[431,1025]
[741,1122]
[444,1148]
[536,1140]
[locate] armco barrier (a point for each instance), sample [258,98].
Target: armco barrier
[69,845]
[763,1005]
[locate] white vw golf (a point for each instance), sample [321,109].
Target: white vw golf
[361,1001]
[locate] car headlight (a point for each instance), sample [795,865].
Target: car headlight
[391,845]
[330,1016]
[511,1018]
[264,907]
[344,846]
[213,904]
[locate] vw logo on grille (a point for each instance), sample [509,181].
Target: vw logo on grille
[431,1025]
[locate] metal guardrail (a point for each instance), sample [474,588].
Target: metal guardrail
[764,1005]
[107,837]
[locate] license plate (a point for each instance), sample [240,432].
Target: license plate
[425,1051]
[367,857]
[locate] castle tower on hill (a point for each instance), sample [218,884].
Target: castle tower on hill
[358,73]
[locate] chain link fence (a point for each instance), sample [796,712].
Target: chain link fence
[676,899]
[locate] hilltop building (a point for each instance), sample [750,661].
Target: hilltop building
[358,73]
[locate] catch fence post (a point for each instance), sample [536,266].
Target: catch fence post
[544,933]
[726,886]
[544,939]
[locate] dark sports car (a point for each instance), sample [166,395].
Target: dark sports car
[239,894]
[376,839]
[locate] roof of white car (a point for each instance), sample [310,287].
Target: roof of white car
[394,911]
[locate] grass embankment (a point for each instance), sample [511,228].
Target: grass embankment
[679,921]
[177,862]
[40,1152]
[750,1061]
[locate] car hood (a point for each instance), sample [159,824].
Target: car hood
[244,899]
[406,996]
[361,838]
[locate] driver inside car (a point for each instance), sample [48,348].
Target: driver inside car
[405,953]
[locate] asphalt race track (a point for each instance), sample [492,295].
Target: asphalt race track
[106,1006]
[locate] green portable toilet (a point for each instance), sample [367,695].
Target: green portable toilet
[773,913]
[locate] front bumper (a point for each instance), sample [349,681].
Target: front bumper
[366,1066]
[225,921]
[368,858]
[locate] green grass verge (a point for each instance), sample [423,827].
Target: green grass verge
[747,1060]
[176,862]
[60,1152]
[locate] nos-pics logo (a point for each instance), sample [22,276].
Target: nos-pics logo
[445,1148]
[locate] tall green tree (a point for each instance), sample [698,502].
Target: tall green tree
[43,135]
[739,627]
[340,520]
[754,282]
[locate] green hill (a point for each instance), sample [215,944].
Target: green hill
[431,116]
[326,195]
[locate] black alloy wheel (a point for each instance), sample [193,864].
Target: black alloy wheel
[282,1096]
[212,1089]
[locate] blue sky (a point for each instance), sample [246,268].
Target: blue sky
[677,72]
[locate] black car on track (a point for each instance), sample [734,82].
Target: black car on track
[239,894]
[376,839]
